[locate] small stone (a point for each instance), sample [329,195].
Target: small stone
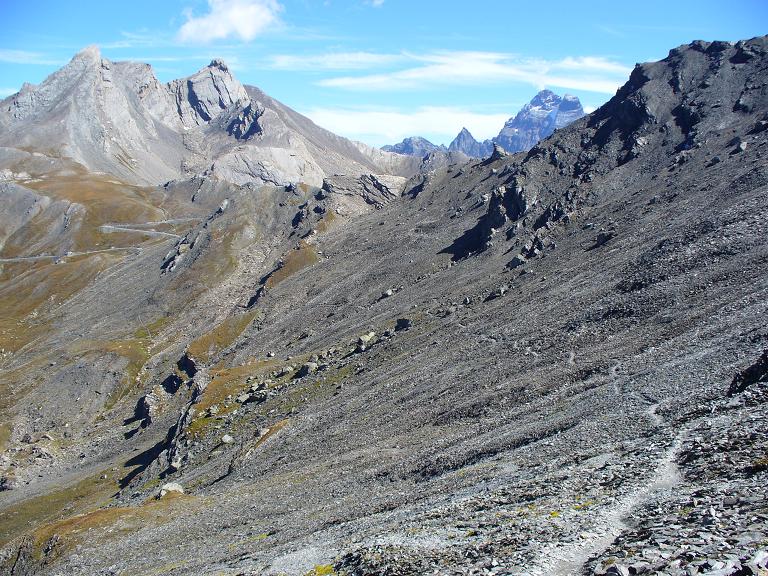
[387,293]
[227,439]
[403,324]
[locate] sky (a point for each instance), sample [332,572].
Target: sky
[378,70]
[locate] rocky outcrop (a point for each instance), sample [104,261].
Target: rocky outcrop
[206,94]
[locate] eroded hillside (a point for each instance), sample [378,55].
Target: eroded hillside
[545,363]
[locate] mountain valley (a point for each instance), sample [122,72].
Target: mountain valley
[233,342]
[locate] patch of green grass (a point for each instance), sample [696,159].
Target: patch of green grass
[322,570]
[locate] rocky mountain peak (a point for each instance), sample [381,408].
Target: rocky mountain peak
[207,93]
[90,54]
[545,113]
[466,143]
[220,64]
[545,99]
[570,102]
[414,146]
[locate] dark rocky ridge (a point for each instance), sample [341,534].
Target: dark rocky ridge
[561,401]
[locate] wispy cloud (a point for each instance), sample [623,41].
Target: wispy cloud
[25,57]
[242,19]
[383,126]
[375,3]
[4,92]
[144,39]
[334,61]
[590,73]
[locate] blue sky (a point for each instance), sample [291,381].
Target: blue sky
[378,70]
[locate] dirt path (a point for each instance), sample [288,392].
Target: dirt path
[68,255]
[569,559]
[145,232]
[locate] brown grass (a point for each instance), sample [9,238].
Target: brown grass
[105,200]
[29,514]
[38,288]
[121,521]
[327,221]
[296,260]
[221,337]
[274,429]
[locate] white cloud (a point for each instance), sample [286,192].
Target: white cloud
[25,57]
[440,124]
[334,61]
[376,3]
[243,19]
[590,73]
[7,92]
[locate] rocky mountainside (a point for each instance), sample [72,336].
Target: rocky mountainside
[117,118]
[550,362]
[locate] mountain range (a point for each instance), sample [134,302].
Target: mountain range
[232,342]
[537,120]
[117,118]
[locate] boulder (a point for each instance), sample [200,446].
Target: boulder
[170,487]
[307,369]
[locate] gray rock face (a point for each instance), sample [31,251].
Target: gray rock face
[466,143]
[538,119]
[115,117]
[200,98]
[414,146]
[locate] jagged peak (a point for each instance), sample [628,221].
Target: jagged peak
[545,98]
[90,53]
[219,64]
